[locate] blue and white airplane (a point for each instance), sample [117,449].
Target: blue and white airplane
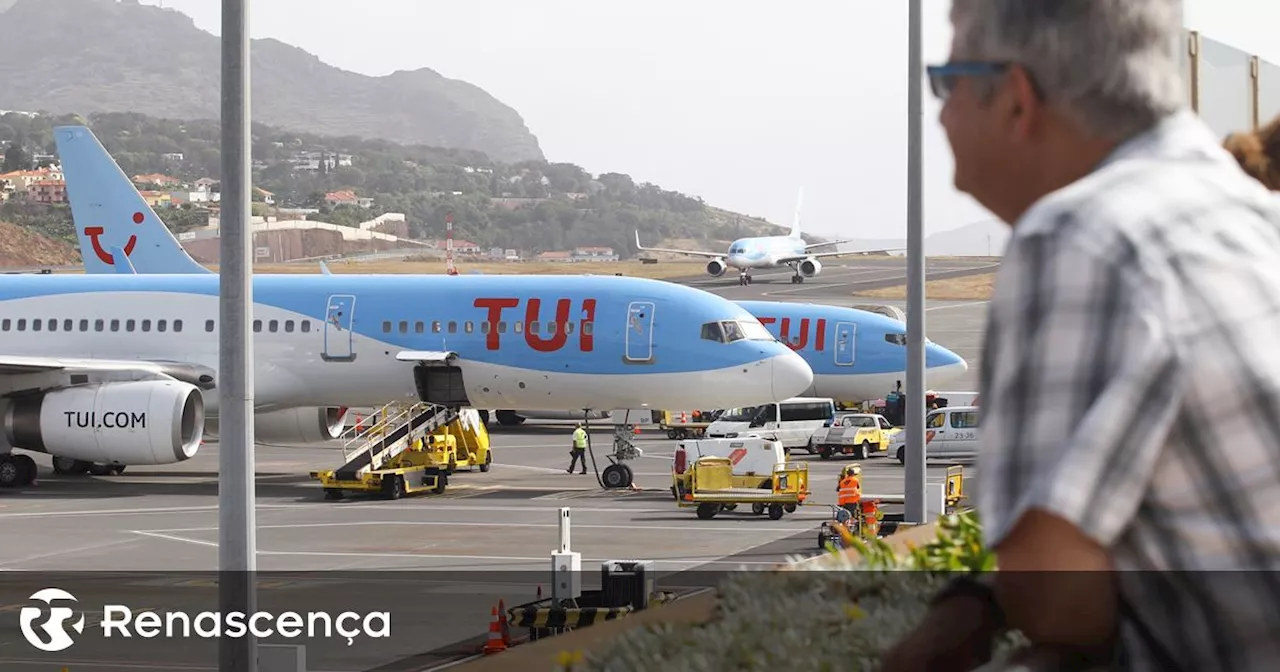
[854,354]
[747,254]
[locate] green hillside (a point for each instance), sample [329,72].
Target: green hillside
[530,205]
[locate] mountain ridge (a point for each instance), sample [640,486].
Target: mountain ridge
[86,56]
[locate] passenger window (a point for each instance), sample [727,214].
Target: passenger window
[588,328]
[146,325]
[161,325]
[418,327]
[306,326]
[35,325]
[518,327]
[404,327]
[68,325]
[257,325]
[568,327]
[208,325]
[386,327]
[484,327]
[22,325]
[177,325]
[5,324]
[551,328]
[467,326]
[273,326]
[115,325]
[99,325]
[288,326]
[533,327]
[453,327]
[934,421]
[435,327]
[130,325]
[84,325]
[502,327]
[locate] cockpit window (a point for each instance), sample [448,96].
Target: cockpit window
[754,331]
[896,339]
[728,331]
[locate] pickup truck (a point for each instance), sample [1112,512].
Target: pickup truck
[857,434]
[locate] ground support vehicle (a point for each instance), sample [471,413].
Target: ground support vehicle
[413,449]
[858,434]
[753,459]
[865,523]
[711,489]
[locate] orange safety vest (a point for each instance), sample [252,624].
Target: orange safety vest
[850,491]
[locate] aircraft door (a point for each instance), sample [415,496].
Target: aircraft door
[846,337]
[640,331]
[339,340]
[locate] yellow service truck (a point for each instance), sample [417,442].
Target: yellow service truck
[858,434]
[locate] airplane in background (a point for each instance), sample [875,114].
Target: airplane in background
[747,254]
[854,354]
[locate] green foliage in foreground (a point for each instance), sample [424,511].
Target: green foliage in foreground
[839,614]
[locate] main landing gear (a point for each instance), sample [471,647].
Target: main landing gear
[17,471]
[66,466]
[797,278]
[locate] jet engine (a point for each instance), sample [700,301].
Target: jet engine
[810,267]
[300,425]
[716,267]
[138,422]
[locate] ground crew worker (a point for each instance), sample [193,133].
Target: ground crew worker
[849,490]
[579,450]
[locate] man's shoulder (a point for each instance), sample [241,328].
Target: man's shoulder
[1141,198]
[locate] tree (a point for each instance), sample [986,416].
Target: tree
[16,158]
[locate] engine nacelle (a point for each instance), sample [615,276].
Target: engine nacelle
[810,267]
[717,267]
[139,422]
[300,425]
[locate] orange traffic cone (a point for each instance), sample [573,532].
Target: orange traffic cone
[505,625]
[635,429]
[495,643]
[359,423]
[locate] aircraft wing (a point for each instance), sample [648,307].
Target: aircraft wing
[694,253]
[823,255]
[13,366]
[814,246]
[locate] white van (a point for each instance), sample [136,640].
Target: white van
[792,422]
[950,433]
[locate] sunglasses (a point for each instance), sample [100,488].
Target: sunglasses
[944,78]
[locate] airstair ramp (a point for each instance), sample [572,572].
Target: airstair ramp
[387,433]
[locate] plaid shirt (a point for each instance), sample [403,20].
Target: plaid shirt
[1131,385]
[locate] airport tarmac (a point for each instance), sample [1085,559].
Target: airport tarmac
[488,537]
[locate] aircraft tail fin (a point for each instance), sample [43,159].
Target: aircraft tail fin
[122,264]
[795,224]
[110,213]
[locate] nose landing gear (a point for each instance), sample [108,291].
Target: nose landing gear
[744,278]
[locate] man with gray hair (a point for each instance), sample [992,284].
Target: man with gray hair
[1130,376]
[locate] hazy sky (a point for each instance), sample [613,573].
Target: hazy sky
[741,102]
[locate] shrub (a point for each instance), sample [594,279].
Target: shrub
[839,613]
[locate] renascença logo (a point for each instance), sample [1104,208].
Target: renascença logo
[120,620]
[55,625]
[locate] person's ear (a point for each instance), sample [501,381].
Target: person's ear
[1024,100]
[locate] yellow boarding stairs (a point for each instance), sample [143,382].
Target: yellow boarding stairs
[388,446]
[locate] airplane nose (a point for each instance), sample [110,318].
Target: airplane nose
[791,376]
[943,364]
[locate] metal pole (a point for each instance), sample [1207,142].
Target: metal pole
[914,488]
[237,529]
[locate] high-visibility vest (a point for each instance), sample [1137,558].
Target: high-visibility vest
[579,439]
[850,491]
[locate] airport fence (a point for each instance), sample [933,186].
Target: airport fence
[1230,89]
